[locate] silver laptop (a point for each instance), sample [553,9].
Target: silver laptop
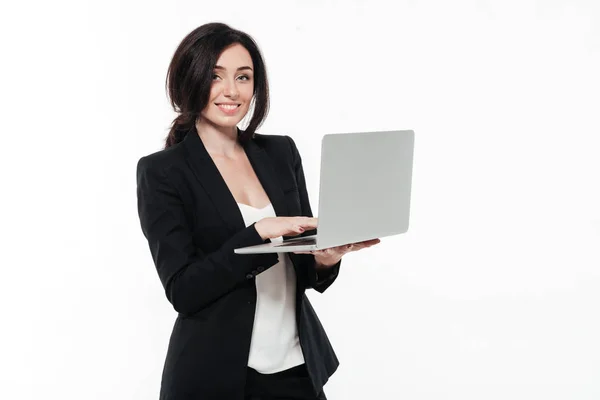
[364,191]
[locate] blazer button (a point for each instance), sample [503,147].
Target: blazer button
[249,276]
[260,269]
[255,272]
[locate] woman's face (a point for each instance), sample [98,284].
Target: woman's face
[232,88]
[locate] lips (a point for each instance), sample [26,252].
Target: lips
[228,108]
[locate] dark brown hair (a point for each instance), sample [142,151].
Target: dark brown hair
[189,78]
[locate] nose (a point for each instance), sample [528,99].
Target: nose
[230,90]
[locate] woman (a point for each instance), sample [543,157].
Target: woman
[245,329]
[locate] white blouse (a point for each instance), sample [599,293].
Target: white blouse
[275,346]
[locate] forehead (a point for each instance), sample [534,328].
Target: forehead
[235,56]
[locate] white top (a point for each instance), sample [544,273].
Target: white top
[274,346]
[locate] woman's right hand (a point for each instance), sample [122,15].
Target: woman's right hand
[272,227]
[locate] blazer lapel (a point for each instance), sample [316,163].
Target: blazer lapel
[263,167]
[215,187]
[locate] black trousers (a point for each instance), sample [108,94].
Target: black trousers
[291,384]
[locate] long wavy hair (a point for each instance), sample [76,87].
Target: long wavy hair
[189,78]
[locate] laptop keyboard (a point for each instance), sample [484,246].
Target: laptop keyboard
[299,242]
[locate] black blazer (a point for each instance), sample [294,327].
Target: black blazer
[192,224]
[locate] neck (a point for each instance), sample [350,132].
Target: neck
[219,140]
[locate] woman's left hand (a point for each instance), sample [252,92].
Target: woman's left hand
[327,258]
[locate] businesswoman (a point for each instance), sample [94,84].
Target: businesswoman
[245,328]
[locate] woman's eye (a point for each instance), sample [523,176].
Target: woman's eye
[244,77]
[215,77]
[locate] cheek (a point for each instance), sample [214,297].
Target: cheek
[248,91]
[214,92]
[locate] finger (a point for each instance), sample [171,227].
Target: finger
[297,229]
[347,248]
[353,247]
[307,222]
[361,246]
[308,226]
[370,242]
[330,250]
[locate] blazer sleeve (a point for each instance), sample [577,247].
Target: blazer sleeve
[191,278]
[321,280]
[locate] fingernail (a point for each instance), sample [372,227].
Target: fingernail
[301,229]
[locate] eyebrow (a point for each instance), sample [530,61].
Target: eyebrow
[245,67]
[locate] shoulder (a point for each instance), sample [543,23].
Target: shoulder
[160,161]
[280,145]
[270,141]
[165,169]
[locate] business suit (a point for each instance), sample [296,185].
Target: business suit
[192,224]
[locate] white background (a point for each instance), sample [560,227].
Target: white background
[492,294]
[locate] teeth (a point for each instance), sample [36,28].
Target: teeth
[228,107]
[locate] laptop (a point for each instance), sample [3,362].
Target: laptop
[364,191]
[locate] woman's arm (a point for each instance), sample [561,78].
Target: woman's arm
[318,279]
[191,279]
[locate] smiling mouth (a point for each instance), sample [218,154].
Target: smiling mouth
[227,107]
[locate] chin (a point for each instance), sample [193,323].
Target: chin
[228,124]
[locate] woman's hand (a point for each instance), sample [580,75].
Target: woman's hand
[327,258]
[272,227]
